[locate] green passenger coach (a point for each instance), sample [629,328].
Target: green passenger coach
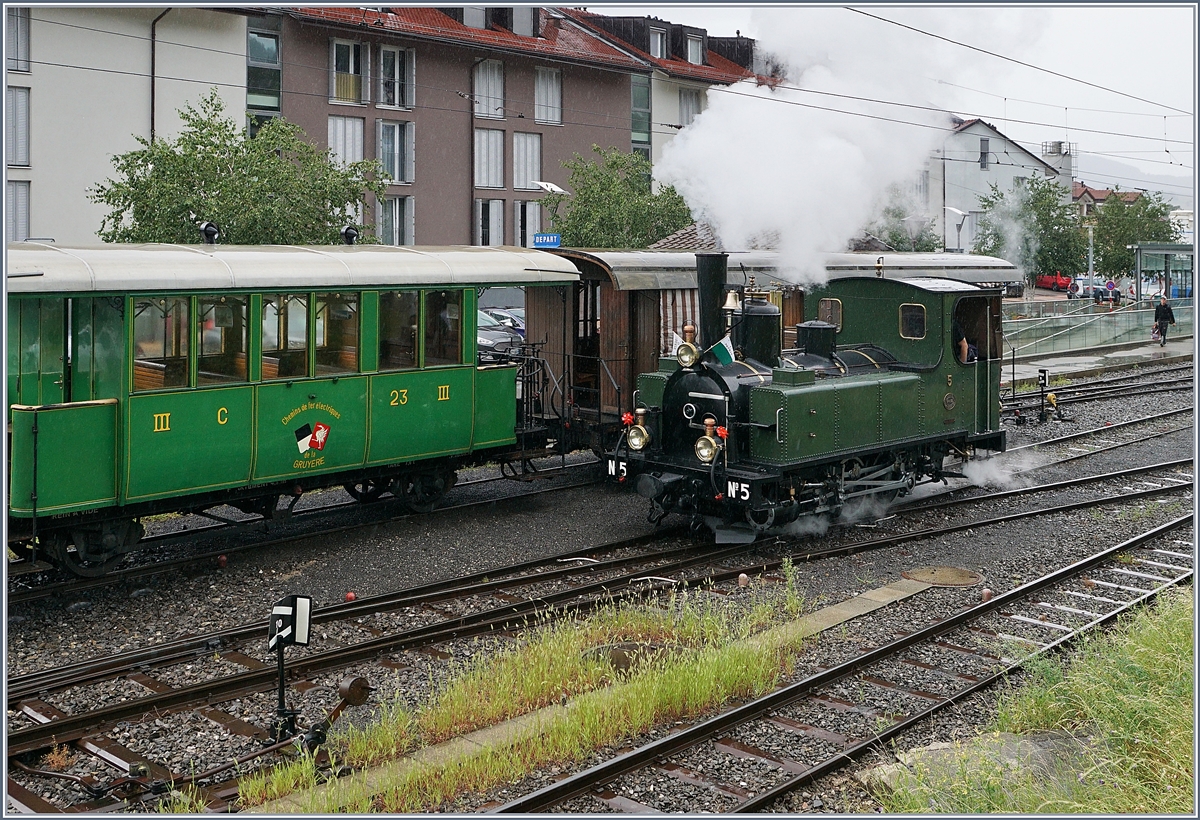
[153,378]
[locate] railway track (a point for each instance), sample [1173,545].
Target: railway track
[47,589]
[583,581]
[1041,616]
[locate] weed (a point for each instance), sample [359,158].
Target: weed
[58,759]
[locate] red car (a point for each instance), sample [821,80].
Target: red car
[1054,281]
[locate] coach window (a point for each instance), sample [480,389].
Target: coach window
[830,310]
[223,338]
[160,343]
[285,336]
[443,327]
[337,333]
[912,321]
[398,324]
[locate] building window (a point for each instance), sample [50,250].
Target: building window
[395,140]
[527,160]
[523,20]
[475,16]
[489,89]
[17,47]
[347,78]
[641,110]
[489,222]
[658,43]
[16,126]
[346,139]
[263,71]
[547,96]
[397,69]
[489,158]
[16,212]
[983,152]
[695,51]
[527,220]
[396,220]
[689,105]
[255,120]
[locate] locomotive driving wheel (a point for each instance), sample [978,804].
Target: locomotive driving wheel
[368,490]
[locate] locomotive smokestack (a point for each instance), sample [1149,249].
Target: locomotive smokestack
[710,279]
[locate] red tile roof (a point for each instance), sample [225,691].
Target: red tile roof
[560,39]
[1078,189]
[718,69]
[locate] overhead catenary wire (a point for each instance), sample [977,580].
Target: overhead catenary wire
[324,67]
[1016,61]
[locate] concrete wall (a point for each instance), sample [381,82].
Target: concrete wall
[595,103]
[89,84]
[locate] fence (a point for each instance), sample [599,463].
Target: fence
[1081,327]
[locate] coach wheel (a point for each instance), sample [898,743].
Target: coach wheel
[423,491]
[367,491]
[92,553]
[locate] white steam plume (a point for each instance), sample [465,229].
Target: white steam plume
[760,160]
[1005,471]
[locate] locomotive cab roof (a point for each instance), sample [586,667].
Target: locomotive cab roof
[34,267]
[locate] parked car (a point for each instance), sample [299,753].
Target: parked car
[511,318]
[1056,281]
[1084,287]
[495,340]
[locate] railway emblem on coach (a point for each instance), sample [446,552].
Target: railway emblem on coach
[162,422]
[443,392]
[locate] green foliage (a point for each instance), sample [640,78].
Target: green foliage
[898,219]
[1032,227]
[275,188]
[613,205]
[1120,223]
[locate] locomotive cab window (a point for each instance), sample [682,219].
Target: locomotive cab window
[223,337]
[284,336]
[337,333]
[830,310]
[912,321]
[399,322]
[160,343]
[443,327]
[974,333]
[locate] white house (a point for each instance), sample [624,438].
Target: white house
[81,85]
[972,158]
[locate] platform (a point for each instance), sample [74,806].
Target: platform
[1074,364]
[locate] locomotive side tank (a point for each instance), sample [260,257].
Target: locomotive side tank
[870,402]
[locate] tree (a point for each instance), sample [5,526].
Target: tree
[1032,227]
[613,205]
[902,227]
[274,188]
[1120,223]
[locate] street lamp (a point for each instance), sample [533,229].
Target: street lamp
[958,228]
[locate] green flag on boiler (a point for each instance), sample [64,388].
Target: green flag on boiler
[723,350]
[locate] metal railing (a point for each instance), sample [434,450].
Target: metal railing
[1092,326]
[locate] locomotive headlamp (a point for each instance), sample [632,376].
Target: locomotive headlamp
[707,445]
[688,354]
[638,437]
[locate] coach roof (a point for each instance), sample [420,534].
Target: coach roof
[34,267]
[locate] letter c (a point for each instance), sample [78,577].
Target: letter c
[222,415]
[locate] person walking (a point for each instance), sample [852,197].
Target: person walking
[1163,316]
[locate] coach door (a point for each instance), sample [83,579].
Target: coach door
[37,351]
